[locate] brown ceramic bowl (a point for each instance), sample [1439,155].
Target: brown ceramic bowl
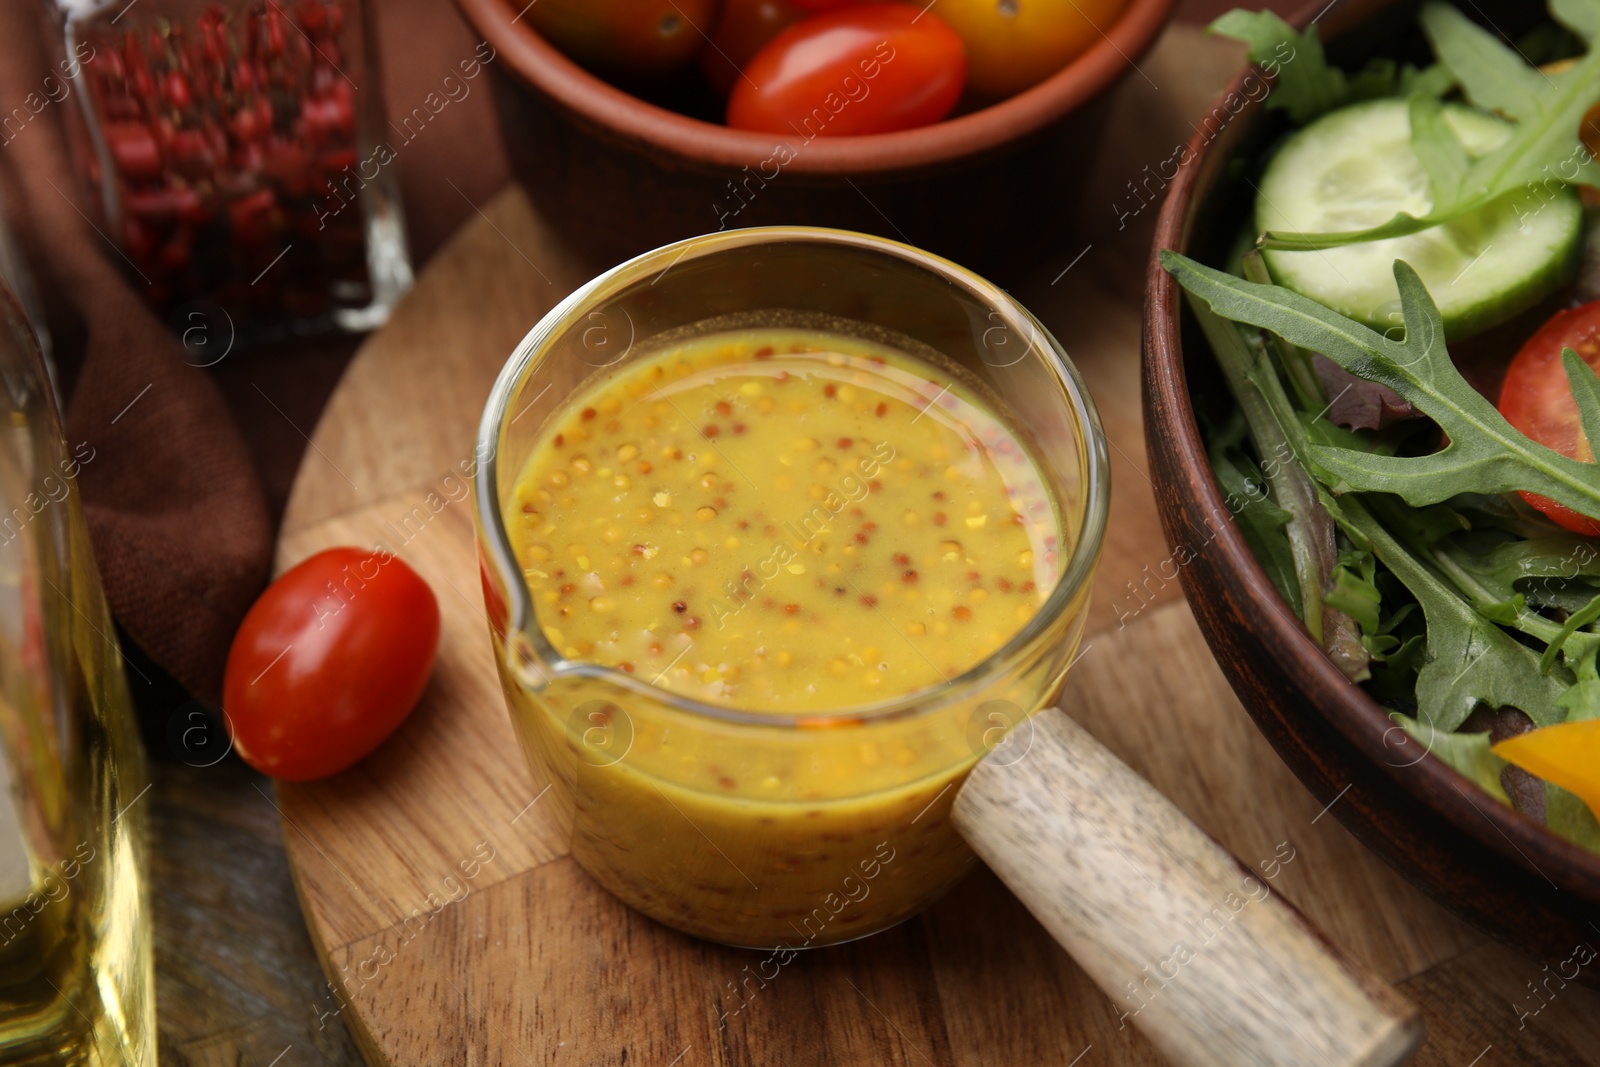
[622,175]
[1500,871]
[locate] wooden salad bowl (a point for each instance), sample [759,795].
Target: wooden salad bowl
[621,174]
[1495,868]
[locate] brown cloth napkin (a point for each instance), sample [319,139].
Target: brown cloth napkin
[174,500]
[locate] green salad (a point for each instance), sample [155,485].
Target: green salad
[1408,327]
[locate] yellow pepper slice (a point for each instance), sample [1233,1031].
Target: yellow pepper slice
[1567,754]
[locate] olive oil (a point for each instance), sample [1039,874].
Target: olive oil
[76,979]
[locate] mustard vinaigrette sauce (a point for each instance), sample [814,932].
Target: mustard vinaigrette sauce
[783,520]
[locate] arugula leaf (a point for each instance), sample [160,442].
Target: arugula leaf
[1492,75]
[1402,634]
[1354,592]
[1305,85]
[1438,149]
[1577,620]
[1566,814]
[1485,454]
[1508,514]
[1356,596]
[1410,654]
[1586,391]
[1471,661]
[1428,525]
[1309,531]
[1547,108]
[1469,755]
[1428,81]
[1430,536]
[1324,431]
[1512,612]
[1582,701]
[1297,363]
[1581,16]
[1260,520]
[1549,571]
[1250,376]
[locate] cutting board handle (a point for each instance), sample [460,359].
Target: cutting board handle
[1193,947]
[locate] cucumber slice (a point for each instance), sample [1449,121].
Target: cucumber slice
[1355,168]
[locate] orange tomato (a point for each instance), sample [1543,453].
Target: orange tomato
[1013,45]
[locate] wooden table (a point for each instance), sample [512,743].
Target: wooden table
[1147,689]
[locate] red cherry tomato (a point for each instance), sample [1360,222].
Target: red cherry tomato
[628,40]
[859,70]
[1537,398]
[745,25]
[329,662]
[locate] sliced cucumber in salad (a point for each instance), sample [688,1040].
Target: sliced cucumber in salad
[1355,168]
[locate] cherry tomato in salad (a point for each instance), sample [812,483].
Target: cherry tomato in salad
[328,662]
[1536,398]
[1013,45]
[744,27]
[858,70]
[627,40]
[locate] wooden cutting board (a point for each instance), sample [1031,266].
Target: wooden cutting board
[455,929]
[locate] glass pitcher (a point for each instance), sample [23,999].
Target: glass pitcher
[76,977]
[753,828]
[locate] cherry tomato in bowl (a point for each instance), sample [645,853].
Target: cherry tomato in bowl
[876,68]
[329,662]
[1536,398]
[1014,45]
[745,26]
[630,41]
